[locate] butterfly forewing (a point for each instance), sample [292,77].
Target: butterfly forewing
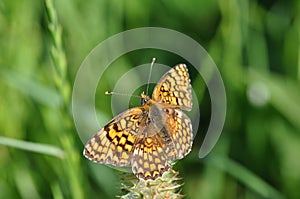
[174,88]
[115,142]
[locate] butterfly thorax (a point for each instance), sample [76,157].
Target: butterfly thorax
[154,117]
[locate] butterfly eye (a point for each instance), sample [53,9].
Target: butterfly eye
[143,101]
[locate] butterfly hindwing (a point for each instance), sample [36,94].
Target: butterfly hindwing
[149,160]
[179,128]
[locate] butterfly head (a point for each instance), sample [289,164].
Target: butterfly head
[144,98]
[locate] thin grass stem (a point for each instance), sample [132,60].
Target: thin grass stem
[34,147]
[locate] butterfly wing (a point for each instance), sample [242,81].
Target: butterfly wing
[174,88]
[115,142]
[179,130]
[152,155]
[149,160]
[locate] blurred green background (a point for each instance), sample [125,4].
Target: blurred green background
[255,44]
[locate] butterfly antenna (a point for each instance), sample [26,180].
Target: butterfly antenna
[122,94]
[151,66]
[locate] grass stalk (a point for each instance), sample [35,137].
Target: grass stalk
[62,83]
[34,147]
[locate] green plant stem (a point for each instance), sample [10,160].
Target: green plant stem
[298,18]
[62,83]
[31,146]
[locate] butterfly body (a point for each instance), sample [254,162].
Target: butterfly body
[149,137]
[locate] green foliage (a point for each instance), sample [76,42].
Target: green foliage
[255,45]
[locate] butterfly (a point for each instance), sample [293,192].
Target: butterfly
[148,138]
